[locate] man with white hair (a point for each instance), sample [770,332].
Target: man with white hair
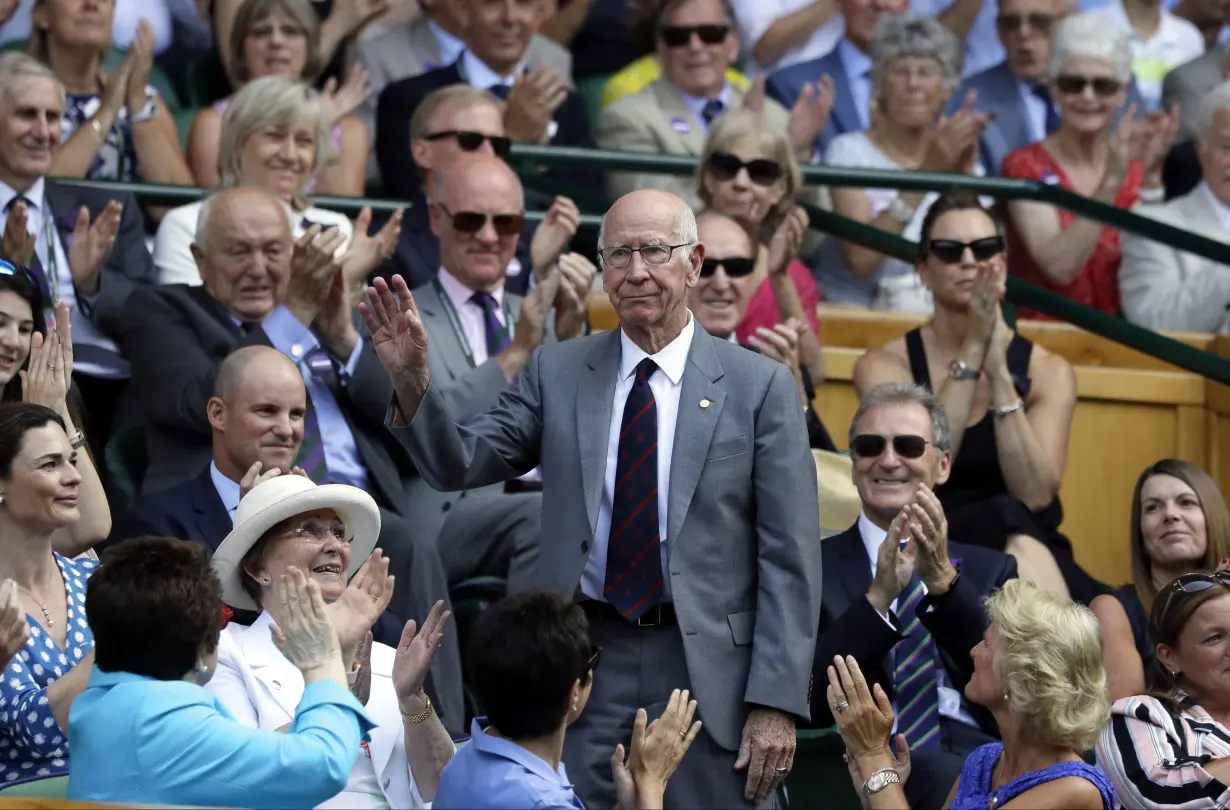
[1163,287]
[679,506]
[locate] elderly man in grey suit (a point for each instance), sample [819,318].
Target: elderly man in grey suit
[697,41]
[679,506]
[480,336]
[1162,287]
[1187,85]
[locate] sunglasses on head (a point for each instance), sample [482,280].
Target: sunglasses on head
[951,251]
[1012,22]
[473,141]
[677,36]
[1075,85]
[594,658]
[7,268]
[735,268]
[471,222]
[1191,583]
[869,445]
[762,172]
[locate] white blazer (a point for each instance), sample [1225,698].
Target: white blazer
[261,688]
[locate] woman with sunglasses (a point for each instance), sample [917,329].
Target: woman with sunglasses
[275,137]
[1170,748]
[749,173]
[915,66]
[1090,67]
[1009,402]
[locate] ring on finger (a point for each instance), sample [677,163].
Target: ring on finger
[841,706]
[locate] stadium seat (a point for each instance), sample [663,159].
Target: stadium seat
[37,787]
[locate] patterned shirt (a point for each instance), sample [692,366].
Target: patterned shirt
[32,744]
[116,158]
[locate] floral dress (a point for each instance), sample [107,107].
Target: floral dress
[32,744]
[116,159]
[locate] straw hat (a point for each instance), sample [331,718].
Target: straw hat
[281,498]
[839,501]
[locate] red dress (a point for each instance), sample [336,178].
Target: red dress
[1097,285]
[762,309]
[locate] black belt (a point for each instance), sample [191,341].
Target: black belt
[659,615]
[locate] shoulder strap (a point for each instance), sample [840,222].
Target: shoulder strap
[918,358]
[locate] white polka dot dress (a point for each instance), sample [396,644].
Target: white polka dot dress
[32,744]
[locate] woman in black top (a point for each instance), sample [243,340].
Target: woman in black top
[1009,402]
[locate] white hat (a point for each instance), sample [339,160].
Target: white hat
[281,498]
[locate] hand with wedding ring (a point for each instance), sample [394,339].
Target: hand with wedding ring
[865,721]
[657,749]
[47,376]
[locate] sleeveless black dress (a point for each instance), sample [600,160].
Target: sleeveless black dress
[980,509]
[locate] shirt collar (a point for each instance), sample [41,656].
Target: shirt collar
[873,536]
[1219,208]
[459,294]
[450,46]
[697,104]
[478,74]
[856,63]
[494,746]
[34,194]
[227,489]
[672,359]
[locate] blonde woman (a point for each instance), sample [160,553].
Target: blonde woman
[275,137]
[1039,670]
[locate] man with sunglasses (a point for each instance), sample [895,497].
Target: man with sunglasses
[679,506]
[697,42]
[901,597]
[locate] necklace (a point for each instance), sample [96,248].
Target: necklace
[46,613]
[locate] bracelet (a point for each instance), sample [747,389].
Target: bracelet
[901,211]
[414,720]
[77,440]
[1007,409]
[98,128]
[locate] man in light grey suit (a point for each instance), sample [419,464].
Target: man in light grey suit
[1162,287]
[1187,85]
[679,506]
[480,336]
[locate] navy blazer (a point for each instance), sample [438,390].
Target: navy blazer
[785,85]
[998,93]
[400,99]
[849,625]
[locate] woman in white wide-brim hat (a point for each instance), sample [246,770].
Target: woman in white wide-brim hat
[330,532]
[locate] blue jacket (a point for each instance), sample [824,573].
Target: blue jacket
[139,740]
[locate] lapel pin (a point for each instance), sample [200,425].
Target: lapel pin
[704,403]
[277,684]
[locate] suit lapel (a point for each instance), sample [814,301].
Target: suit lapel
[1012,119]
[694,427]
[673,107]
[595,393]
[441,333]
[213,523]
[845,111]
[847,571]
[1199,216]
[281,679]
[63,214]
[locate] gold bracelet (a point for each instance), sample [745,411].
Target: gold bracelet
[414,720]
[97,127]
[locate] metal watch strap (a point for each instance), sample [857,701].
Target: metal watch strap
[1004,410]
[959,370]
[880,780]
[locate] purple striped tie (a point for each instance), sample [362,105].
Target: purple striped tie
[496,332]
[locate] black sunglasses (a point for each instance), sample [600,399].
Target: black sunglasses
[1012,22]
[1075,85]
[1191,583]
[951,251]
[762,172]
[735,268]
[676,36]
[594,658]
[7,268]
[869,445]
[472,222]
[473,141]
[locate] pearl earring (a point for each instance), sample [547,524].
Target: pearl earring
[1005,697]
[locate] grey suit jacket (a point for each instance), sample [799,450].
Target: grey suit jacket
[1188,84]
[469,392]
[742,535]
[650,121]
[1164,288]
[409,50]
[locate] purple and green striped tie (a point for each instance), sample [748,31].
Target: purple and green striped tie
[312,450]
[917,697]
[496,332]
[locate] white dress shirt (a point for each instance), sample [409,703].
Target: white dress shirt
[666,386]
[697,104]
[755,17]
[1219,207]
[857,66]
[1176,42]
[1035,111]
[227,489]
[950,698]
[84,331]
[450,46]
[470,313]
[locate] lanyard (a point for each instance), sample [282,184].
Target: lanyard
[51,268]
[455,322]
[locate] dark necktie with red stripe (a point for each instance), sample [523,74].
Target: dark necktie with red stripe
[634,549]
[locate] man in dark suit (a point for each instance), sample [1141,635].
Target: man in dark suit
[901,598]
[539,106]
[94,279]
[450,123]
[255,294]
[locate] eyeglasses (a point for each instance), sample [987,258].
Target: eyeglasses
[735,268]
[473,141]
[318,533]
[472,222]
[869,445]
[951,251]
[1191,583]
[594,658]
[620,257]
[1075,85]
[1013,22]
[762,172]
[677,36]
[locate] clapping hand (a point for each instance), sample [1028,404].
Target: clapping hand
[786,240]
[894,564]
[368,250]
[953,145]
[340,102]
[810,114]
[48,372]
[255,477]
[397,331]
[415,652]
[532,101]
[1160,129]
[301,628]
[92,244]
[656,750]
[18,243]
[864,720]
[753,99]
[141,64]
[572,297]
[14,631]
[781,342]
[929,529]
[364,599]
[552,235]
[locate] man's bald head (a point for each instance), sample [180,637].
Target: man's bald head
[477,210]
[242,249]
[256,411]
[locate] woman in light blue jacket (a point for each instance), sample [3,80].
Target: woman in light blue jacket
[146,730]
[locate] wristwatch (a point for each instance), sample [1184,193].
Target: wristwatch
[880,780]
[146,113]
[960,370]
[901,211]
